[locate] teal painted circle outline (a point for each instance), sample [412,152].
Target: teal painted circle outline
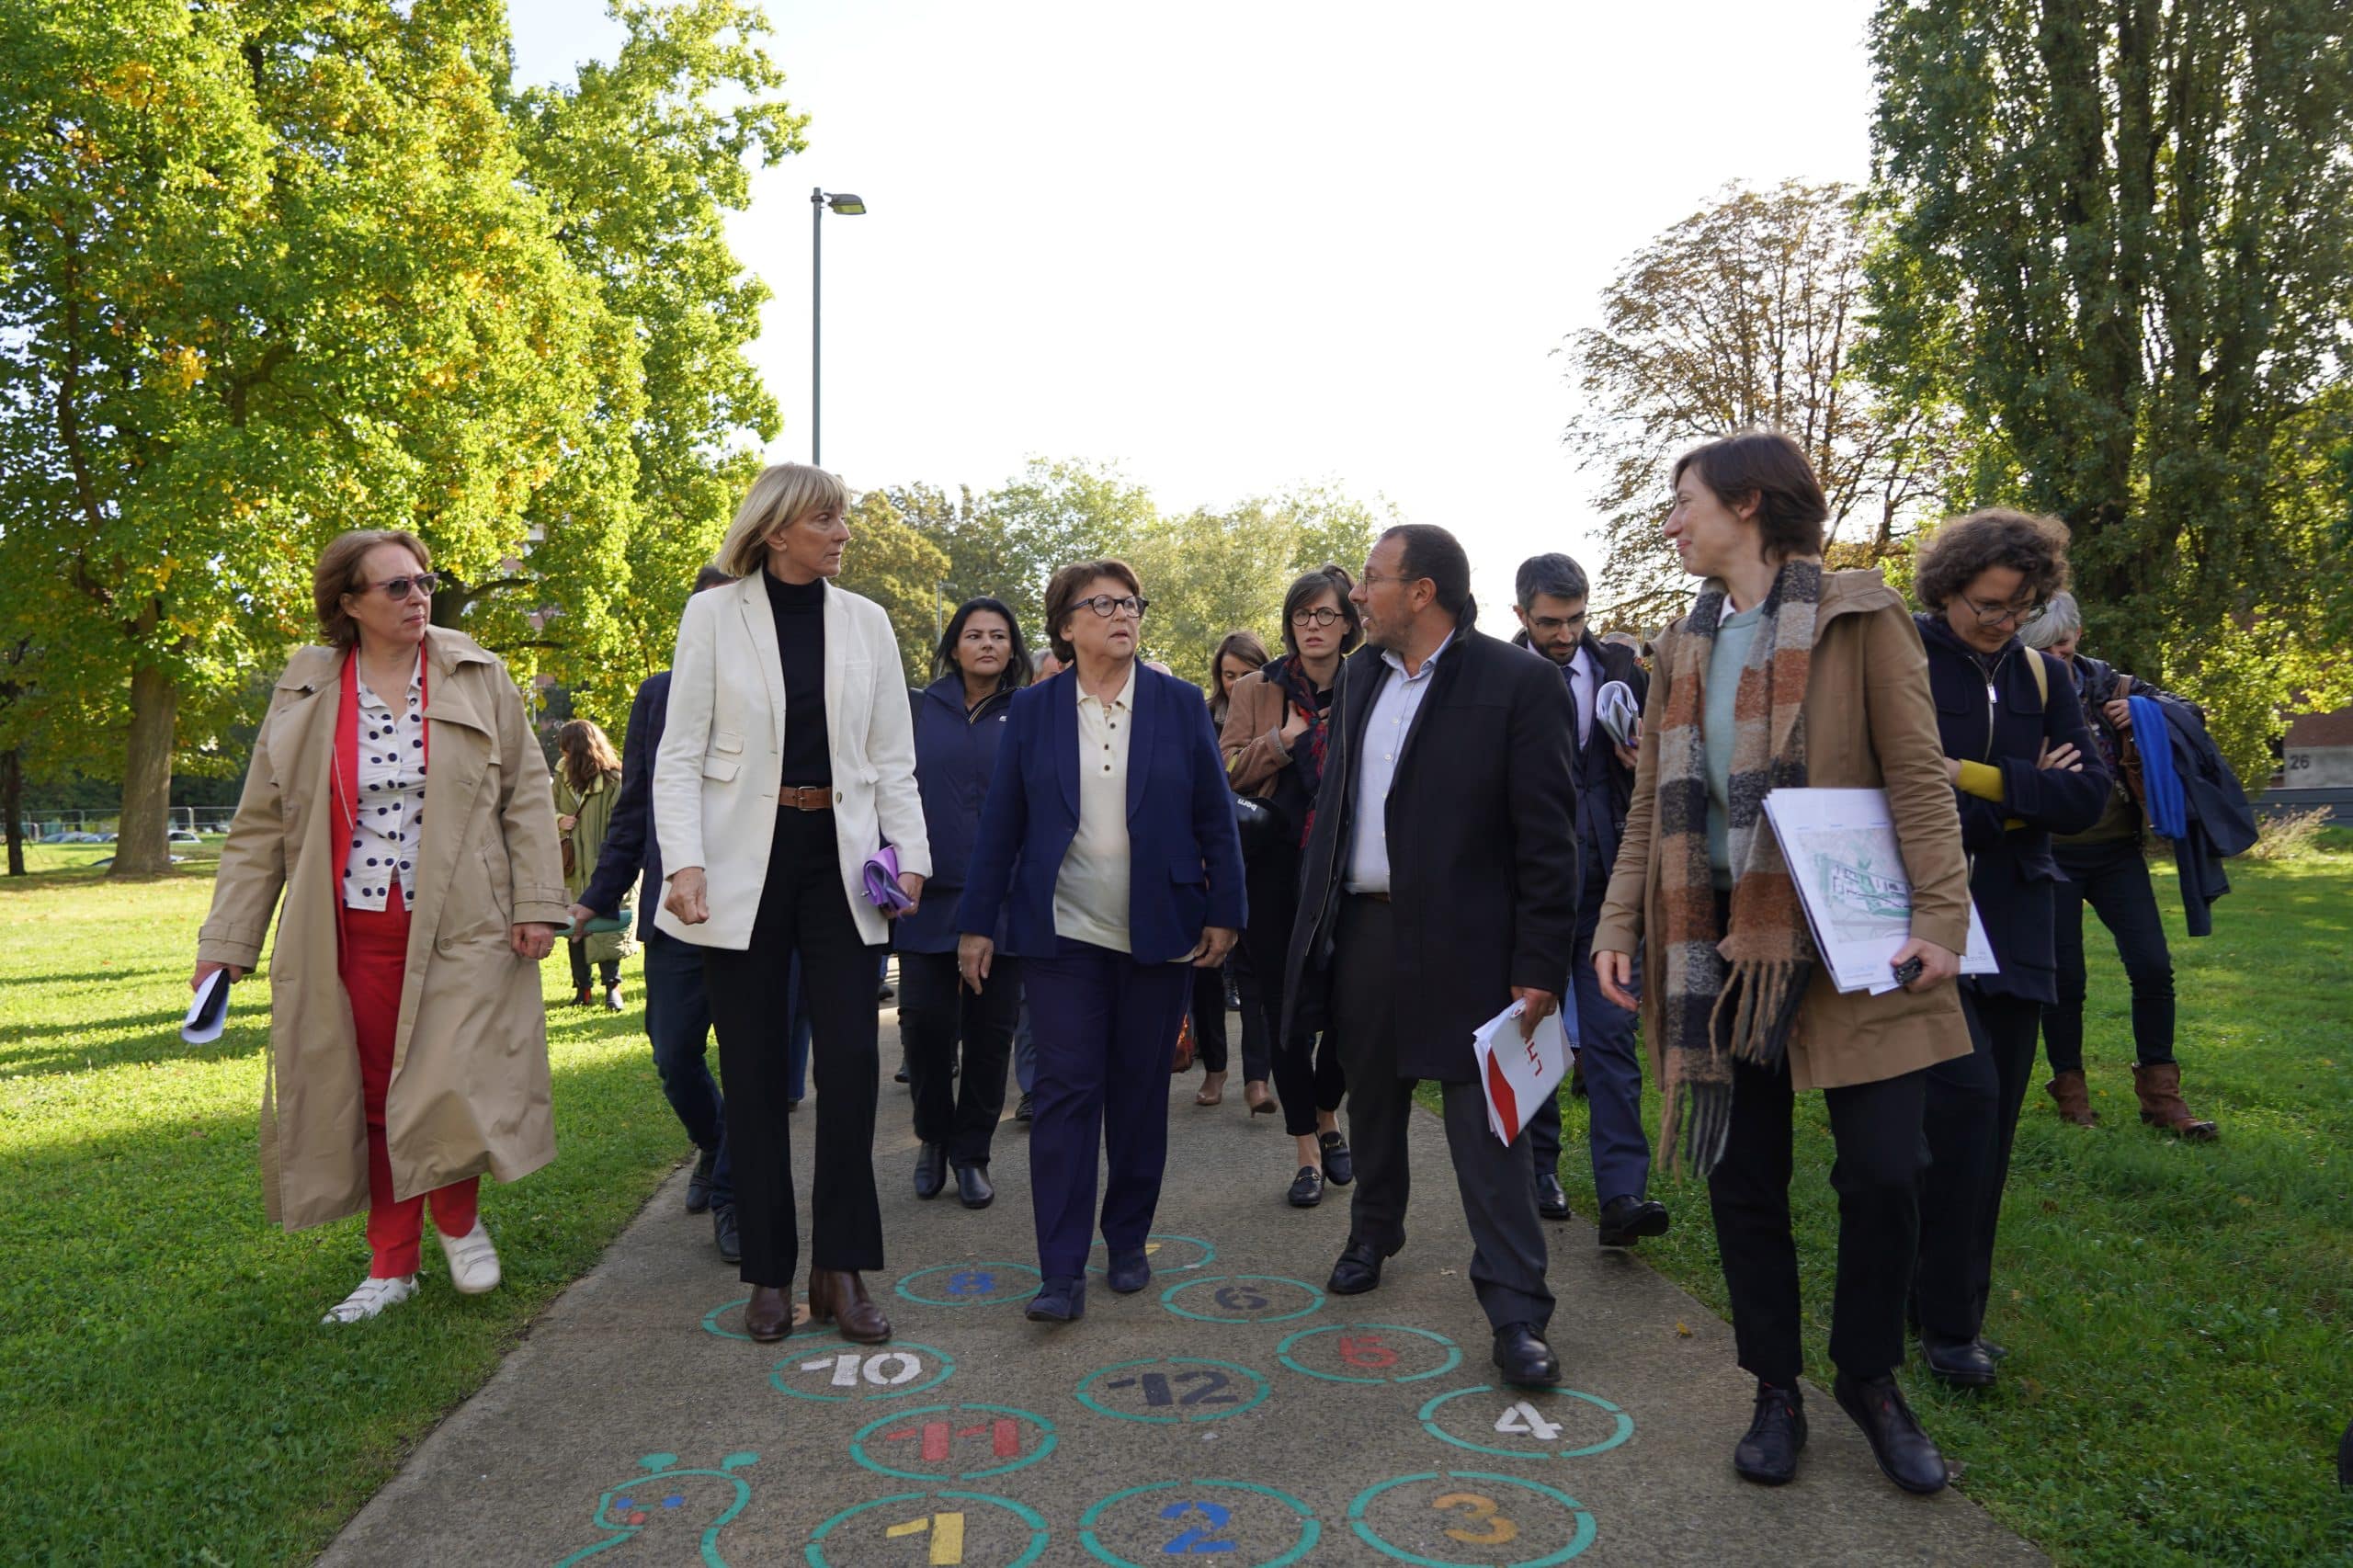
[1029,1268]
[1587,1530]
[1429,1424]
[1453,1352]
[1209,1253]
[858,1442]
[711,1321]
[815,1555]
[1080,1393]
[1101,1553]
[946,1369]
[1168,1297]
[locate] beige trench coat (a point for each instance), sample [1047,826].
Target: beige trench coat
[1870,724]
[470,1089]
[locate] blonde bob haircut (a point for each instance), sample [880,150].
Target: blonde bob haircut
[782,496]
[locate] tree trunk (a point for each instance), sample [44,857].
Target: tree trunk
[142,847]
[12,798]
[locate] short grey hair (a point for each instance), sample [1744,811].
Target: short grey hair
[1555,575]
[2060,619]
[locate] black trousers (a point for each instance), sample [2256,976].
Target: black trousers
[1307,1072]
[610,969]
[936,1013]
[1876,1128]
[2113,877]
[1971,1120]
[1508,1249]
[804,911]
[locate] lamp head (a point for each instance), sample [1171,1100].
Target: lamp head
[847,206]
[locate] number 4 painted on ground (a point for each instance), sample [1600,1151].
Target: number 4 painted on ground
[1524,1420]
[947,1531]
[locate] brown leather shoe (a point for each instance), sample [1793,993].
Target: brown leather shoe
[2161,1103]
[838,1296]
[2075,1100]
[767,1317]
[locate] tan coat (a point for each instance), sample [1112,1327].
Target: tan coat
[470,1088]
[1253,742]
[1871,722]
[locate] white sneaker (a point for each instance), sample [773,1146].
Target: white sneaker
[473,1262]
[373,1297]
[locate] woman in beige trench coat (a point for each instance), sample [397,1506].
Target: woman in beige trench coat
[440,1040]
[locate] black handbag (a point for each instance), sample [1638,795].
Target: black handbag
[1258,824]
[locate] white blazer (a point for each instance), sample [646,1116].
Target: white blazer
[721,762]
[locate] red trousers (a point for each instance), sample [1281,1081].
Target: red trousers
[373,960]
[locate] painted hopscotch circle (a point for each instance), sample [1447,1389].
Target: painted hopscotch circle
[1171,1390]
[1190,1524]
[1244,1297]
[958,1526]
[972,1284]
[1460,1506]
[1524,1418]
[984,1439]
[1371,1353]
[1167,1254]
[837,1372]
[710,1319]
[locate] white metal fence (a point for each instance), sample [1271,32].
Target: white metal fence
[102,826]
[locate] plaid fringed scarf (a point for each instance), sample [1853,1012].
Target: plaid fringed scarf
[1736,996]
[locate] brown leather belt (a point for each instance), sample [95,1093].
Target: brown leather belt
[806,798]
[1376,897]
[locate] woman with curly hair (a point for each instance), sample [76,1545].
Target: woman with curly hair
[2023,767]
[587,786]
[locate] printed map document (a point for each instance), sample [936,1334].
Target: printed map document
[1518,1075]
[1841,850]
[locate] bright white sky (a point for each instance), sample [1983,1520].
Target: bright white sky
[1235,245]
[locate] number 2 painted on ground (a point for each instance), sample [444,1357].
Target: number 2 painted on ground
[1524,1420]
[1479,1510]
[947,1532]
[1197,1541]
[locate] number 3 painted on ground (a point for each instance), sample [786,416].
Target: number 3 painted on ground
[1197,1542]
[1479,1510]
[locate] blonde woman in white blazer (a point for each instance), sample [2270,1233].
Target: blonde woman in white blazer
[787,759]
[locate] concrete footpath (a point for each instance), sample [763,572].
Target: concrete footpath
[1232,1412]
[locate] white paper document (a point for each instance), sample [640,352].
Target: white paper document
[1841,850]
[1518,1075]
[208,1014]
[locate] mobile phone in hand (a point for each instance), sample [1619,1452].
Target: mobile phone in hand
[1907,972]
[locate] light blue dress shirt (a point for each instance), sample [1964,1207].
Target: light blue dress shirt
[1385,729]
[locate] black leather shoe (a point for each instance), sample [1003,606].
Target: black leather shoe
[1906,1455]
[1359,1270]
[1625,1219]
[791,1106]
[1339,1166]
[1550,1201]
[1028,1109]
[1061,1299]
[900,1075]
[725,1232]
[699,1184]
[1993,1348]
[931,1169]
[1958,1366]
[972,1188]
[1307,1187]
[1768,1454]
[1527,1361]
[1127,1272]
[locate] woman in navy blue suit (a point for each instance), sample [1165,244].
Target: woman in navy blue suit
[1109,854]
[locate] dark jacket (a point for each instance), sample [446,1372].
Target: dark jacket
[2008,842]
[1186,858]
[955,759]
[629,839]
[2220,822]
[1605,809]
[1483,850]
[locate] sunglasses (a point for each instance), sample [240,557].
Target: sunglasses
[397,588]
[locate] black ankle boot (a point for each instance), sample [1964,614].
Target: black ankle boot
[1768,1454]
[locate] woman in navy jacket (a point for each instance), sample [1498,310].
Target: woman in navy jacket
[1107,851]
[961,719]
[2023,767]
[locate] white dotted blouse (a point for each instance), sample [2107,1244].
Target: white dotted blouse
[390,816]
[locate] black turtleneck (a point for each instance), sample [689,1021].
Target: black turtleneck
[799,611]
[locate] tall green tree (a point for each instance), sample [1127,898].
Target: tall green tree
[892,561]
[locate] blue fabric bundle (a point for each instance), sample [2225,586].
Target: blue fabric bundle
[2168,810]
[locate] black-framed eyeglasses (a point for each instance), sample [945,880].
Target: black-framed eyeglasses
[397,588]
[1991,616]
[1322,615]
[1107,606]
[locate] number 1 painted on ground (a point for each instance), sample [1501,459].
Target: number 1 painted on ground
[947,1531]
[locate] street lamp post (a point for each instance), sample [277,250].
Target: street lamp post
[848,206]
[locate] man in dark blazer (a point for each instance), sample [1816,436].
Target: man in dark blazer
[1552,591]
[677,1016]
[1439,884]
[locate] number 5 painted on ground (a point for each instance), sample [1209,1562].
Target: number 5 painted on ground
[1479,1510]
[947,1531]
[1197,1542]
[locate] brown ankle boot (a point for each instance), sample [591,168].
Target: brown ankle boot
[767,1316]
[2074,1098]
[838,1296]
[2162,1107]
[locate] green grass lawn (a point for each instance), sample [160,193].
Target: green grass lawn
[172,1398]
[2180,1317]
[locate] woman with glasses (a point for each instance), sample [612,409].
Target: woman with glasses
[1275,742]
[1234,987]
[2023,767]
[397,937]
[1108,856]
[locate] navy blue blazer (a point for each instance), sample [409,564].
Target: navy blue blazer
[1180,817]
[629,838]
[956,757]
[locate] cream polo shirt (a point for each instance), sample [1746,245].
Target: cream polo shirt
[1091,891]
